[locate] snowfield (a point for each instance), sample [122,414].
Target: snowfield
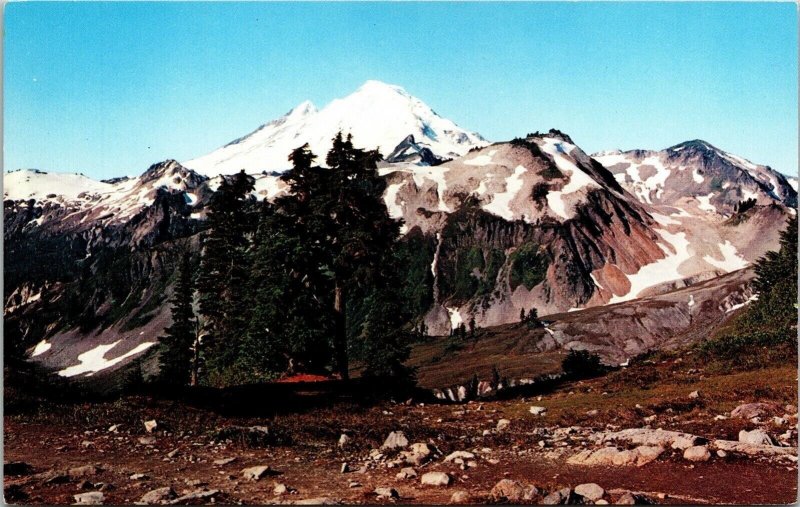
[501,201]
[578,179]
[378,115]
[94,360]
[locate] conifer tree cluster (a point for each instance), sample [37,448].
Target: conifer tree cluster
[305,284]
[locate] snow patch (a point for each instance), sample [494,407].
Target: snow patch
[697,177]
[577,178]
[390,197]
[481,160]
[501,200]
[733,308]
[94,360]
[455,317]
[731,260]
[41,348]
[676,248]
[705,203]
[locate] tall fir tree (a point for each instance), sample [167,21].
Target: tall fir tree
[223,275]
[176,354]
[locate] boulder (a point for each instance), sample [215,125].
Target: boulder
[694,395]
[255,473]
[395,440]
[502,424]
[508,490]
[755,437]
[406,473]
[459,455]
[561,496]
[612,456]
[460,497]
[343,440]
[387,493]
[321,500]
[83,471]
[754,449]
[160,495]
[90,498]
[654,437]
[150,425]
[535,410]
[590,490]
[224,461]
[435,479]
[697,453]
[418,454]
[751,410]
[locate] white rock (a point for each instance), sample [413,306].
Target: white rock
[697,453]
[91,498]
[459,455]
[757,437]
[536,410]
[150,425]
[590,490]
[435,479]
[255,473]
[343,440]
[395,440]
[502,424]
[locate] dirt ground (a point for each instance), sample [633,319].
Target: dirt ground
[302,451]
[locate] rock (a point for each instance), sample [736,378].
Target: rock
[694,395]
[91,498]
[459,455]
[280,489]
[16,468]
[87,444]
[537,410]
[606,456]
[626,499]
[682,443]
[172,453]
[224,461]
[321,500]
[508,490]
[756,437]
[406,473]
[138,477]
[601,502]
[502,424]
[343,440]
[345,468]
[195,495]
[160,495]
[395,440]
[697,453]
[255,473]
[435,479]
[590,490]
[753,449]
[418,454]
[653,437]
[147,440]
[646,453]
[561,496]
[721,453]
[751,410]
[592,413]
[649,419]
[83,471]
[114,428]
[353,484]
[460,497]
[387,493]
[150,425]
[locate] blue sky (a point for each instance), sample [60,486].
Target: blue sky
[109,88]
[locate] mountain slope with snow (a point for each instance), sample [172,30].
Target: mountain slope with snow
[378,115]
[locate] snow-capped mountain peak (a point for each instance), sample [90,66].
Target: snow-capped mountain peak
[378,115]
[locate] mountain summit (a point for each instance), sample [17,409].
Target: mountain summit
[378,115]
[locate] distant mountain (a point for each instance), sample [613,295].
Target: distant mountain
[697,174]
[378,115]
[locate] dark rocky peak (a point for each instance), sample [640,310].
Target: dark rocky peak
[171,174]
[408,150]
[551,133]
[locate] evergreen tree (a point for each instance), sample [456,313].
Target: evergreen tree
[176,355]
[472,326]
[344,226]
[224,273]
